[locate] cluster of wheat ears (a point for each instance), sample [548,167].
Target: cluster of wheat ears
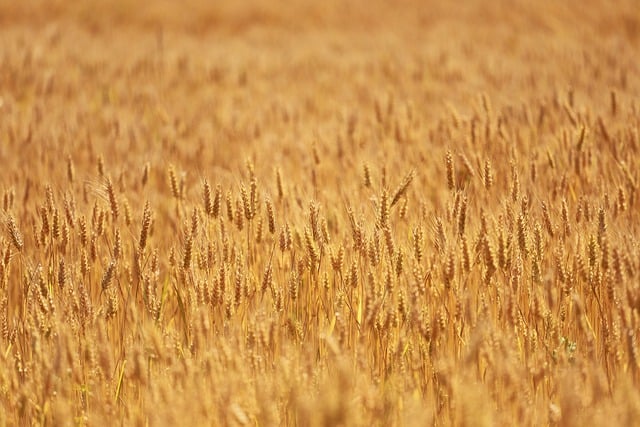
[442,238]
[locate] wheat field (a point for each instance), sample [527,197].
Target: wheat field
[363,213]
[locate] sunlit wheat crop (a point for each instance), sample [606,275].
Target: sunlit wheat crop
[319,213]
